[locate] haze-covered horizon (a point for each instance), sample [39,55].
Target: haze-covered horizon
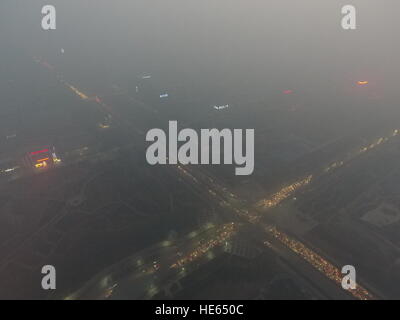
[280,41]
[76,189]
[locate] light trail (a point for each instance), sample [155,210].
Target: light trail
[228,230]
[318,262]
[77,92]
[362,150]
[284,193]
[287,191]
[224,233]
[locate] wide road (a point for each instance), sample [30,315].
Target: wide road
[204,182]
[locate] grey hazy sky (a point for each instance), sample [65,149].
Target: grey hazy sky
[283,38]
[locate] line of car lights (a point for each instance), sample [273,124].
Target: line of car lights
[229,230]
[224,233]
[318,262]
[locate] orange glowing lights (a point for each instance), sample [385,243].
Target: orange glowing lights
[78,93]
[362,83]
[41,165]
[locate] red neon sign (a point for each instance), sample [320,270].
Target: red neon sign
[40,151]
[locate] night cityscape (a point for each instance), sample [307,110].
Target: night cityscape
[199,150]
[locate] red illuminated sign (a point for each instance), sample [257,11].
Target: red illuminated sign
[38,152]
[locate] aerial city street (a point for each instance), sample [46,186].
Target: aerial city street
[318,190]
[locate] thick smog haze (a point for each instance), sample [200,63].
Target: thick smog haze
[199,150]
[286,41]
